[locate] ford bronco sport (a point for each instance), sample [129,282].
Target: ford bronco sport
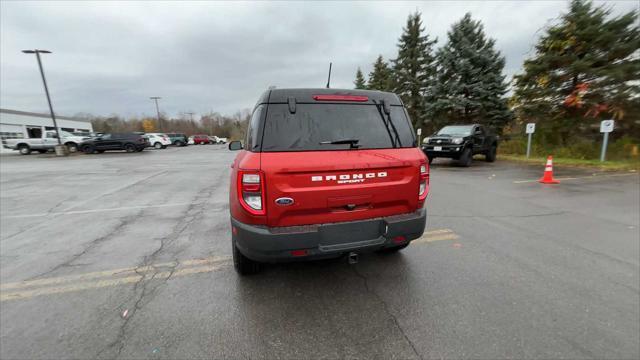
[323,173]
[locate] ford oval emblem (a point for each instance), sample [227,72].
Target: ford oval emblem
[284,201]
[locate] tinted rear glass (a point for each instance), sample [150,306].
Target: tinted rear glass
[315,123]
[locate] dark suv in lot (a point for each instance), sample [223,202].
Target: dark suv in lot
[178,139]
[117,141]
[323,173]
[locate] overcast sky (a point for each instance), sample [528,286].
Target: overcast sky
[109,57]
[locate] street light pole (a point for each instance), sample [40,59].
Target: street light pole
[46,89]
[155,98]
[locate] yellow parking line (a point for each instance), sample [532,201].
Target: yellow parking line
[436,235]
[101,279]
[25,294]
[108,273]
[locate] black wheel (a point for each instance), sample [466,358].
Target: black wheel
[490,156]
[42,151]
[88,149]
[24,149]
[73,147]
[466,158]
[157,146]
[242,264]
[391,250]
[178,143]
[130,148]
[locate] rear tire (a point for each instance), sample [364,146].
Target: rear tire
[130,148]
[242,264]
[88,149]
[178,143]
[157,146]
[490,156]
[466,158]
[24,149]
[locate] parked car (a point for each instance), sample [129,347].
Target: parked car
[201,140]
[158,140]
[178,139]
[47,142]
[461,142]
[325,173]
[218,140]
[129,142]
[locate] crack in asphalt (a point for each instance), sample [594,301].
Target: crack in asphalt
[385,306]
[124,222]
[148,291]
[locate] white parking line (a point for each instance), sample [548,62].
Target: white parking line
[578,177]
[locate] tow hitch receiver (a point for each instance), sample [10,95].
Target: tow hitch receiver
[352,258]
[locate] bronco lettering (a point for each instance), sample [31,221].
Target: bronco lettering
[349,178]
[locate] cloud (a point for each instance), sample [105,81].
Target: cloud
[109,57]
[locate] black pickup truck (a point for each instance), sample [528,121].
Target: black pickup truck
[461,142]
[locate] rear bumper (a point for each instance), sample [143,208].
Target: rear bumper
[265,244]
[447,151]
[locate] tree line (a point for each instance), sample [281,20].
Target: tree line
[211,123]
[585,67]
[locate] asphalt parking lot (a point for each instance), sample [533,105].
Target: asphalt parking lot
[128,256]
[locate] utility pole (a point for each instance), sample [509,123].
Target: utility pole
[156,98]
[59,150]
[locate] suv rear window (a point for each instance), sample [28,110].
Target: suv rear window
[312,124]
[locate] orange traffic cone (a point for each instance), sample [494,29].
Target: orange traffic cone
[547,178]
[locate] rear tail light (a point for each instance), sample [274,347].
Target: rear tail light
[251,191]
[424,182]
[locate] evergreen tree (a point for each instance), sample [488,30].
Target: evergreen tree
[583,71]
[380,76]
[470,86]
[360,82]
[414,69]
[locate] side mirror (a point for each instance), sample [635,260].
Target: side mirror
[235,145]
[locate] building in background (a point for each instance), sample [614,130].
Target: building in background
[16,124]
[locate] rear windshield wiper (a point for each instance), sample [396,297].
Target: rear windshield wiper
[353,143]
[388,124]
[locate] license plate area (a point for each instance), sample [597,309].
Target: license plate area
[351,232]
[437,148]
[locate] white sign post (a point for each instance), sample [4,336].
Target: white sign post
[531,128]
[606,126]
[419,132]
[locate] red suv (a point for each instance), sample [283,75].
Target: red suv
[201,139]
[324,173]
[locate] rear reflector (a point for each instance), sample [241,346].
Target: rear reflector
[298,253]
[340,98]
[399,239]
